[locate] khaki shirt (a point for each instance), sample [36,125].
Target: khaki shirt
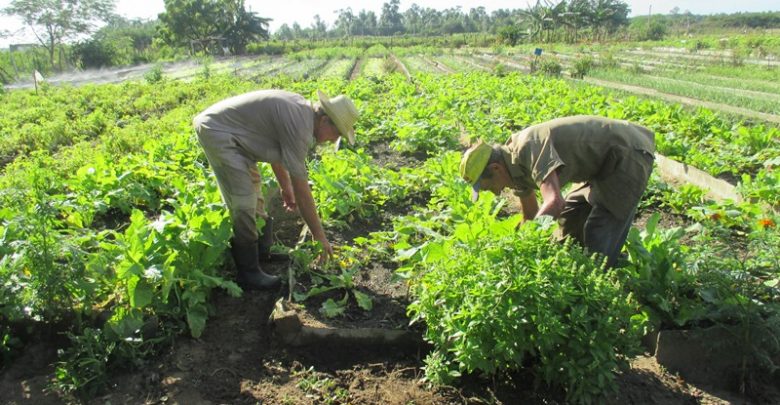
[615,157]
[268,125]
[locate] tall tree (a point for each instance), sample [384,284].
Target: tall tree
[318,27]
[479,19]
[608,15]
[285,33]
[211,23]
[242,26]
[345,21]
[55,21]
[430,21]
[390,19]
[366,23]
[454,21]
[412,19]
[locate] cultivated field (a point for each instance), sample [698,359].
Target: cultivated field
[116,281]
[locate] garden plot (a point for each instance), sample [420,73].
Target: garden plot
[721,56]
[702,57]
[393,205]
[473,62]
[759,102]
[419,64]
[461,63]
[723,80]
[338,68]
[107,76]
[373,67]
[307,67]
[621,61]
[270,67]
[644,91]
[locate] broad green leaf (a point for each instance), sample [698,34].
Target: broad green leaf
[196,319]
[363,300]
[331,308]
[140,292]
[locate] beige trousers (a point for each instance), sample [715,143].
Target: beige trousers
[239,182]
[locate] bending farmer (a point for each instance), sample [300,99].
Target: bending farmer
[280,128]
[611,159]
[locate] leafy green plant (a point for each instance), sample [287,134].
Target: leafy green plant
[636,68]
[166,264]
[154,75]
[550,66]
[659,277]
[741,292]
[500,69]
[83,369]
[343,279]
[42,263]
[683,197]
[582,66]
[765,185]
[496,299]
[318,385]
[608,61]
[349,184]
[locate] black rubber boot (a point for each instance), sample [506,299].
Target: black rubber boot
[265,241]
[250,275]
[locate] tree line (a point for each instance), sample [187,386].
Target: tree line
[91,34]
[541,21]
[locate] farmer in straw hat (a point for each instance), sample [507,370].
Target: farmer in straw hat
[277,127]
[611,159]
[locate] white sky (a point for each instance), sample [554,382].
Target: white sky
[303,11]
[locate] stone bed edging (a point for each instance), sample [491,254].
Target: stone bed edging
[676,174]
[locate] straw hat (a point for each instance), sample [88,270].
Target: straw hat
[342,112]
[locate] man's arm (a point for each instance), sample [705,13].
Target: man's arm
[300,186]
[285,186]
[553,202]
[530,206]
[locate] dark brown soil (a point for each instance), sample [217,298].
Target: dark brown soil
[239,359]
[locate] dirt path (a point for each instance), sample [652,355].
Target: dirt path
[356,68]
[685,100]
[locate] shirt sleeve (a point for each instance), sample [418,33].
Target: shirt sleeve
[546,160]
[523,183]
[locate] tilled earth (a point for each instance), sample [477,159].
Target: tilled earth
[240,360]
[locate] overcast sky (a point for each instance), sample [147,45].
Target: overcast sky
[303,11]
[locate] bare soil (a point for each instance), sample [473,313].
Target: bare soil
[238,361]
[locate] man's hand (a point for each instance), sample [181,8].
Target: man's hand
[288,200]
[285,187]
[327,250]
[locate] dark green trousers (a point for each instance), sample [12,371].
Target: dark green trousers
[593,226]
